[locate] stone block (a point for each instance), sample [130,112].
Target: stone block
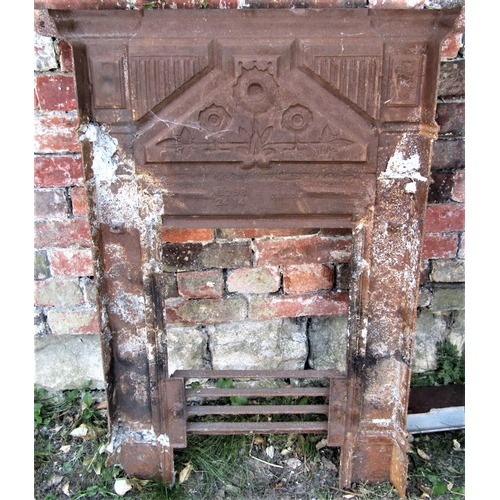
[278,344]
[328,343]
[75,321]
[205,311]
[448,271]
[45,54]
[430,329]
[39,322]
[254,280]
[42,265]
[68,362]
[187,349]
[457,330]
[50,203]
[54,292]
[201,284]
[307,278]
[448,299]
[461,246]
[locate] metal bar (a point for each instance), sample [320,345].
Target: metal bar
[258,392]
[257,427]
[256,410]
[284,374]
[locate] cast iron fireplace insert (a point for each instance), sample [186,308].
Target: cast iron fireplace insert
[258,118]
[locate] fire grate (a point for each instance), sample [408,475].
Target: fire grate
[209,118]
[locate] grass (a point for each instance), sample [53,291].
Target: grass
[70,462]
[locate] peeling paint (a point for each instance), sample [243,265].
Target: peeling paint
[404,163]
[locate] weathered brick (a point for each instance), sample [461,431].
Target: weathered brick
[430,328]
[424,272]
[79,202]
[201,284]
[89,290]
[307,278]
[307,250]
[50,203]
[71,262]
[39,322]
[54,292]
[65,56]
[448,271]
[321,304]
[443,218]
[231,234]
[170,285]
[451,46]
[452,79]
[459,187]
[205,311]
[448,153]
[254,280]
[76,321]
[42,265]
[196,256]
[343,276]
[440,245]
[58,171]
[56,134]
[448,299]
[186,235]
[56,92]
[451,118]
[441,187]
[62,233]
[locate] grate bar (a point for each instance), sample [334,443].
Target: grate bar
[257,427]
[200,411]
[252,374]
[215,392]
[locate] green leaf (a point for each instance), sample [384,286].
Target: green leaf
[440,488]
[225,383]
[238,400]
[87,399]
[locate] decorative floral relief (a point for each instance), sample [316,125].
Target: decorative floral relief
[254,131]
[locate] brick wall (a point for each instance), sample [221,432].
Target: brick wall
[217,277]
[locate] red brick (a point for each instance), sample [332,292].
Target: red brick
[66,56]
[201,284]
[459,187]
[307,278]
[254,280]
[186,235]
[443,218]
[79,201]
[440,245]
[286,306]
[56,92]
[451,45]
[230,234]
[71,262]
[62,233]
[58,171]
[448,153]
[307,250]
[56,134]
[205,311]
[451,118]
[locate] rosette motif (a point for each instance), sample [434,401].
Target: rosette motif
[297,118]
[214,118]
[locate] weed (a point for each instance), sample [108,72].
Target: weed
[450,367]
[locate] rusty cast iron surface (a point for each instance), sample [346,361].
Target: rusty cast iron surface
[238,118]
